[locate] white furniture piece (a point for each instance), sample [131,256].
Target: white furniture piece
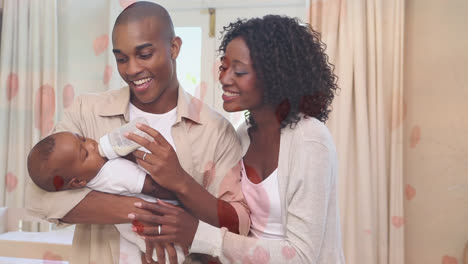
[17,246]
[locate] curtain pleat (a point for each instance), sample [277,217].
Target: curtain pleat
[364,41]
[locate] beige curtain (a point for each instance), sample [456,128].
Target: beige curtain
[49,54]
[365,43]
[28,78]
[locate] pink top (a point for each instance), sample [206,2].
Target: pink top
[264,202]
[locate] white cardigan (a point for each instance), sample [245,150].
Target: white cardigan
[307,182]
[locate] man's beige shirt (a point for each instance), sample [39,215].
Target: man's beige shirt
[207,147]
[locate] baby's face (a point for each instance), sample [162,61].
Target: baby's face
[76,156]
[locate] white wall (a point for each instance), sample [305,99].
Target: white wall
[436,130]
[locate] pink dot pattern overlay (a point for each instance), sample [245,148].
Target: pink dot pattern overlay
[50,257]
[209,174]
[410,192]
[68,95]
[107,74]
[196,103]
[125,3]
[258,256]
[288,252]
[124,258]
[398,221]
[415,136]
[44,109]
[12,86]
[11,182]
[100,44]
[449,260]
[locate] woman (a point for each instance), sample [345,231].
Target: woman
[274,67]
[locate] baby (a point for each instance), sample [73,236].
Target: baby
[65,161]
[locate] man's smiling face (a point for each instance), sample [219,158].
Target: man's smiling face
[145,58]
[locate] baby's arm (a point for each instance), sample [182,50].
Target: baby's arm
[155,190]
[121,176]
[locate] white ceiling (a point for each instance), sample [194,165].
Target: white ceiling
[219,4]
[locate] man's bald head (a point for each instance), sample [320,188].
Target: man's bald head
[141,10]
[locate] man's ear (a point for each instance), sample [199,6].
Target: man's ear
[76,183]
[176,43]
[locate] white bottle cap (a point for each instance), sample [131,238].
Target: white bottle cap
[106,147]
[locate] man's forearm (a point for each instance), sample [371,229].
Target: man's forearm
[103,208]
[155,190]
[208,208]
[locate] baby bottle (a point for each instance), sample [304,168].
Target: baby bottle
[115,144]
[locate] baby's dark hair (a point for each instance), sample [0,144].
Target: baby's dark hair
[291,65]
[37,162]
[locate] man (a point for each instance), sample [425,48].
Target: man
[207,147]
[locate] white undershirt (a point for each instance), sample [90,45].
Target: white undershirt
[160,122]
[264,202]
[129,251]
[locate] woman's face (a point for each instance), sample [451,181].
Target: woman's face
[239,79]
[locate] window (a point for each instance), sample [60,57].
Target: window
[189,60]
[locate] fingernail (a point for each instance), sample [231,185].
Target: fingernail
[134,229]
[126,134]
[138,125]
[137,204]
[131,216]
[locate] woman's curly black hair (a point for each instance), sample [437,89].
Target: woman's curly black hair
[290,63]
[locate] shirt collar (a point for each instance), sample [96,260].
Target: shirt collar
[116,103]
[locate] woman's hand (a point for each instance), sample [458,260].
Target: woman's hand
[169,224]
[162,163]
